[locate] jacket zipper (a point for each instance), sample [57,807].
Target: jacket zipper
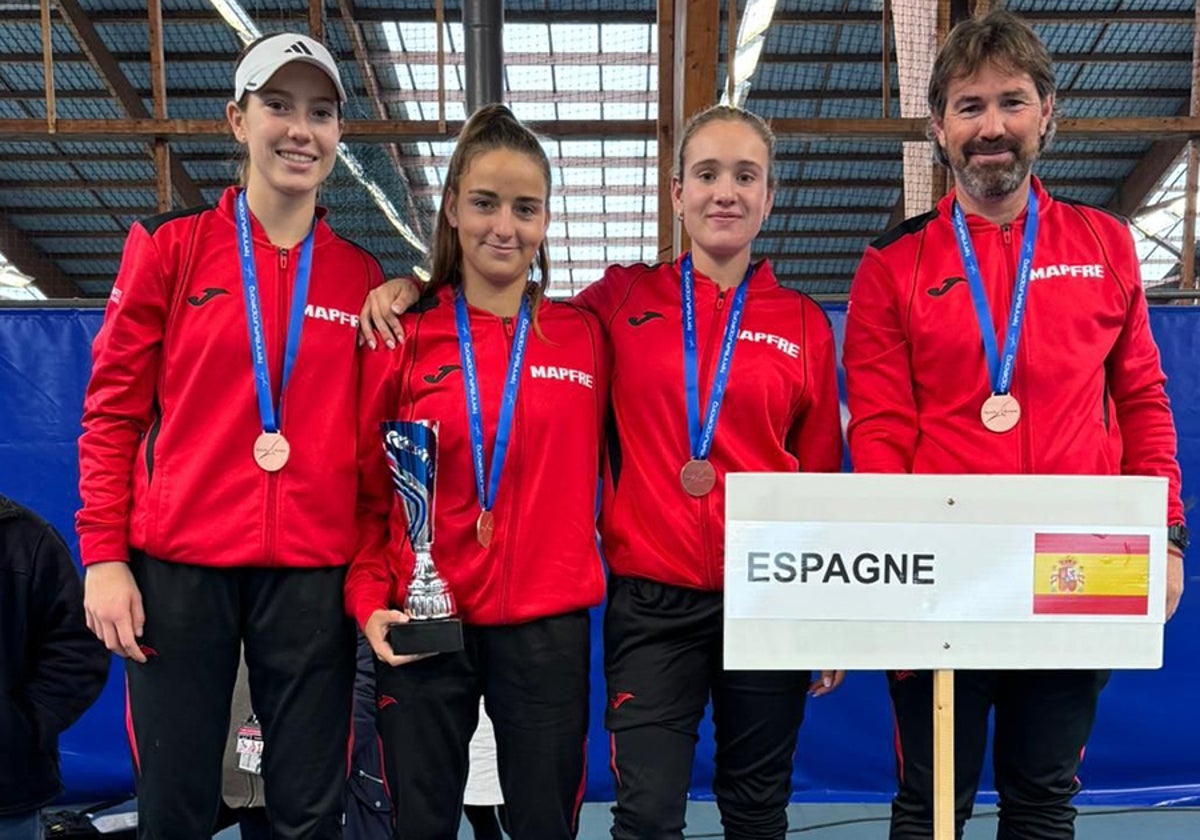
[272,518]
[1024,444]
[506,568]
[709,560]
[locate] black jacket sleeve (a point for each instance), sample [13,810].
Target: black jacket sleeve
[68,665]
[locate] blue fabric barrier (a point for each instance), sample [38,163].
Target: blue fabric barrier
[1147,738]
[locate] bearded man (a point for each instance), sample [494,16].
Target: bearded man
[1006,331]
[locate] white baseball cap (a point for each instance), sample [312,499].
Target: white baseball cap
[270,54]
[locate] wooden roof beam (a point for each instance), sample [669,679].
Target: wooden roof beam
[118,83]
[1136,187]
[407,131]
[537,59]
[535,15]
[623,97]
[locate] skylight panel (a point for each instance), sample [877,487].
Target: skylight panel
[583,148]
[584,204]
[627,37]
[583,176]
[579,111]
[625,175]
[526,37]
[587,253]
[588,229]
[623,77]
[577,77]
[625,230]
[529,77]
[628,111]
[533,111]
[575,37]
[627,203]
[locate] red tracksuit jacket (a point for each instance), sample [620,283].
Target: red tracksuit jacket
[170,417]
[780,412]
[1087,372]
[543,559]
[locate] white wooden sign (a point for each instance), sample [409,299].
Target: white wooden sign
[939,572]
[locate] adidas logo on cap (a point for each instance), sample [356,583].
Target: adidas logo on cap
[300,48]
[273,53]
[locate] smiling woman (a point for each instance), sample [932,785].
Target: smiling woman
[519,410]
[761,357]
[218,499]
[500,214]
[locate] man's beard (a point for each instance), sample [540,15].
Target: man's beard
[996,180]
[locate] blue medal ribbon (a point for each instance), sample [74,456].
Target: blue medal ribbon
[267,409]
[1000,368]
[508,402]
[701,439]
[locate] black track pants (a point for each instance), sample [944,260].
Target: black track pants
[663,660]
[299,649]
[1043,720]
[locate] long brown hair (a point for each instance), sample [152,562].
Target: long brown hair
[489,128]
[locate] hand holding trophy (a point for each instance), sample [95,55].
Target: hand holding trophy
[411,448]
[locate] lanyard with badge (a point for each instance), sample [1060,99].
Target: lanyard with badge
[1000,411]
[698,475]
[485,525]
[271,448]
[250,746]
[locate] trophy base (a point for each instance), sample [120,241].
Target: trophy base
[431,635]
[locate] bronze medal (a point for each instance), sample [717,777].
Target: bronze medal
[271,451]
[698,477]
[485,526]
[1000,412]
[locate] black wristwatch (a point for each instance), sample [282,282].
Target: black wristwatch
[1177,535]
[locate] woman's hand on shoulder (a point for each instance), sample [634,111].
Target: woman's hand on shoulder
[382,309]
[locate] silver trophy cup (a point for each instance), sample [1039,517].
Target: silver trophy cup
[411,448]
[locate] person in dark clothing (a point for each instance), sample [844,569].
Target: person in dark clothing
[51,666]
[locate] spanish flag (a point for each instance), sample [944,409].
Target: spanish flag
[1091,574]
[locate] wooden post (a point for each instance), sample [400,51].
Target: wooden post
[943,755]
[48,67]
[668,225]
[1187,254]
[731,21]
[439,16]
[158,87]
[940,181]
[698,43]
[886,67]
[316,22]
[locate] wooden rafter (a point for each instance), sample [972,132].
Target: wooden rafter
[796,17]
[429,58]
[806,184]
[435,161]
[668,225]
[109,70]
[1135,187]
[636,97]
[1099,128]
